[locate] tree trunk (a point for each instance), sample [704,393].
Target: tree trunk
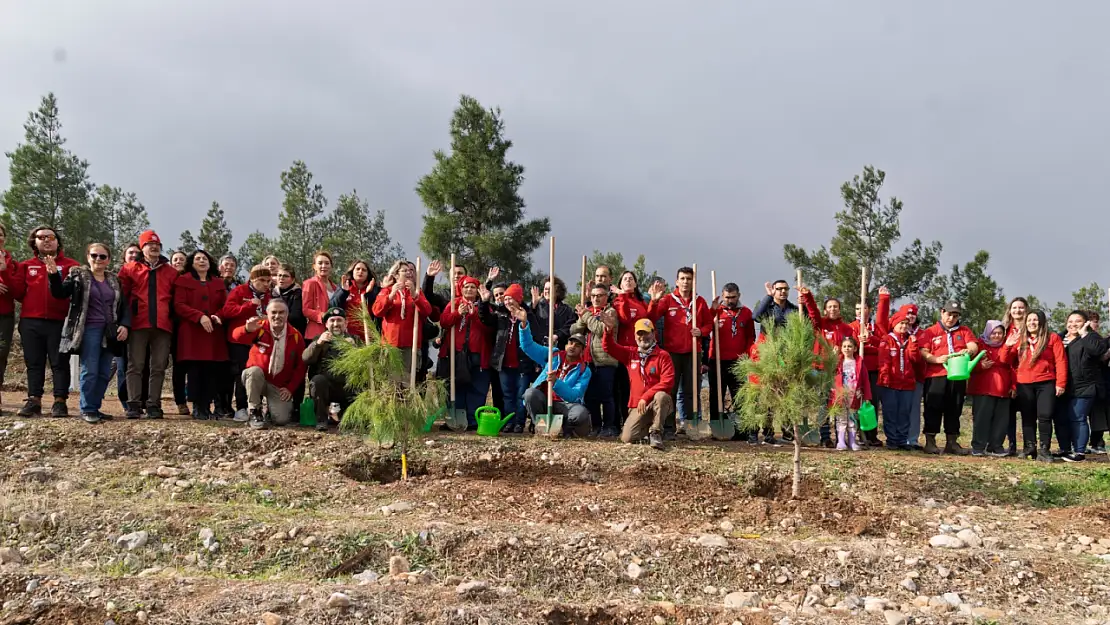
[795,490]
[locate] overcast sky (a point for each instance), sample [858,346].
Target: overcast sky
[709,132]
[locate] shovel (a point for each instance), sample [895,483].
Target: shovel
[551,424]
[456,417]
[696,429]
[724,428]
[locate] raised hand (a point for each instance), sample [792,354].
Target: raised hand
[484,293]
[253,324]
[434,268]
[1012,340]
[767,287]
[884,291]
[581,310]
[493,273]
[521,315]
[324,337]
[535,295]
[51,264]
[609,318]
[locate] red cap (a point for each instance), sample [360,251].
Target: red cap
[465,280]
[516,292]
[149,236]
[898,317]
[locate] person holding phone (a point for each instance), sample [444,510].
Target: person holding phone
[357,288]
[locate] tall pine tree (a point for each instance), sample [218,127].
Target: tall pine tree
[256,247]
[302,223]
[353,233]
[473,207]
[121,217]
[215,236]
[49,184]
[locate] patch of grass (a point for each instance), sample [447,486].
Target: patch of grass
[1038,486]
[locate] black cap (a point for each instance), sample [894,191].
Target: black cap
[334,311]
[579,338]
[951,307]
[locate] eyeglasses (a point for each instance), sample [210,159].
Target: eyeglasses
[283,275]
[782,288]
[98,256]
[46,237]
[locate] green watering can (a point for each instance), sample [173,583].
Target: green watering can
[868,419]
[959,366]
[490,421]
[308,412]
[433,417]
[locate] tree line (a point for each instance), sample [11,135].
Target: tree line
[473,209]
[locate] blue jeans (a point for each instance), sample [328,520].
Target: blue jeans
[897,408]
[510,394]
[599,397]
[1080,428]
[474,394]
[96,369]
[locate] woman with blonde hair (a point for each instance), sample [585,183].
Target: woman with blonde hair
[397,306]
[316,292]
[1013,322]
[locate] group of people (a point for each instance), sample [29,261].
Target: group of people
[624,362]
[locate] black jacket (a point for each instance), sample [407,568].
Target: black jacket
[341,295]
[292,298]
[497,317]
[76,287]
[1085,366]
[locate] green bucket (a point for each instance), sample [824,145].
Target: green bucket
[868,419]
[308,412]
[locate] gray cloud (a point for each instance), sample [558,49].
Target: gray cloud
[713,132]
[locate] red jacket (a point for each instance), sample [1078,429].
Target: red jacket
[28,283]
[191,301]
[998,381]
[655,374]
[239,307]
[397,314]
[936,342]
[863,384]
[898,361]
[677,321]
[11,266]
[833,330]
[736,332]
[479,334]
[314,303]
[1051,365]
[871,348]
[630,309]
[262,342]
[149,290]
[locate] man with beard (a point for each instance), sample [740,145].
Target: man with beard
[652,375]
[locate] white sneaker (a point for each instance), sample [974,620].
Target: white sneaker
[241,416]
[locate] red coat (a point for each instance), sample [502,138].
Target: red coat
[28,283]
[871,348]
[262,346]
[630,309]
[833,330]
[863,384]
[150,293]
[314,303]
[736,332]
[1051,365]
[998,381]
[936,342]
[191,301]
[11,266]
[655,375]
[679,319]
[397,314]
[898,361]
[479,333]
[239,307]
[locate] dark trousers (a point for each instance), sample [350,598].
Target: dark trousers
[203,379]
[234,385]
[7,332]
[1011,428]
[990,420]
[600,400]
[180,390]
[686,379]
[730,383]
[121,379]
[896,415]
[40,339]
[1038,406]
[1061,418]
[324,390]
[622,388]
[496,391]
[944,401]
[156,344]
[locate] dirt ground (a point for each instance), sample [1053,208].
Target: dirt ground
[179,521]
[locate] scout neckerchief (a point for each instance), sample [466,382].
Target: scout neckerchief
[734,316]
[687,307]
[644,356]
[901,350]
[948,335]
[260,310]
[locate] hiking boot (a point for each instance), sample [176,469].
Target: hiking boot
[753,439]
[90,417]
[931,444]
[104,416]
[655,439]
[256,420]
[154,412]
[771,440]
[610,432]
[133,412]
[183,410]
[59,409]
[952,447]
[241,416]
[322,426]
[31,408]
[1045,455]
[828,443]
[669,435]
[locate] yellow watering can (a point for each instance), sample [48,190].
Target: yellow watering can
[959,366]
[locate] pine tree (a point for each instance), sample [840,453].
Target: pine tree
[121,217]
[473,206]
[187,242]
[302,223]
[256,247]
[352,233]
[49,184]
[215,236]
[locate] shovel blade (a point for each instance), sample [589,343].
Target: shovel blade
[456,419]
[554,426]
[697,429]
[723,429]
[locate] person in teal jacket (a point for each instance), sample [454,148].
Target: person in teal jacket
[569,377]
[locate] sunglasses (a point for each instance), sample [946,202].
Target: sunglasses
[98,256]
[46,237]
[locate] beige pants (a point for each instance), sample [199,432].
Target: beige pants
[254,380]
[639,424]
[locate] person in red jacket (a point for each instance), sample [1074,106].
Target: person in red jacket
[199,296]
[851,388]
[1041,368]
[275,366]
[735,332]
[652,375]
[631,307]
[833,330]
[899,356]
[41,319]
[148,286]
[684,322]
[244,302]
[869,339]
[990,389]
[317,292]
[944,398]
[471,345]
[398,305]
[8,266]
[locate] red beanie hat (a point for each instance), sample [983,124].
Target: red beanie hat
[909,309]
[465,280]
[898,317]
[516,292]
[149,236]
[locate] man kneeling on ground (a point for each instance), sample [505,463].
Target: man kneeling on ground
[651,373]
[275,365]
[569,377]
[326,387]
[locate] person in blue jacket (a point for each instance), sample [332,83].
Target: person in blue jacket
[569,377]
